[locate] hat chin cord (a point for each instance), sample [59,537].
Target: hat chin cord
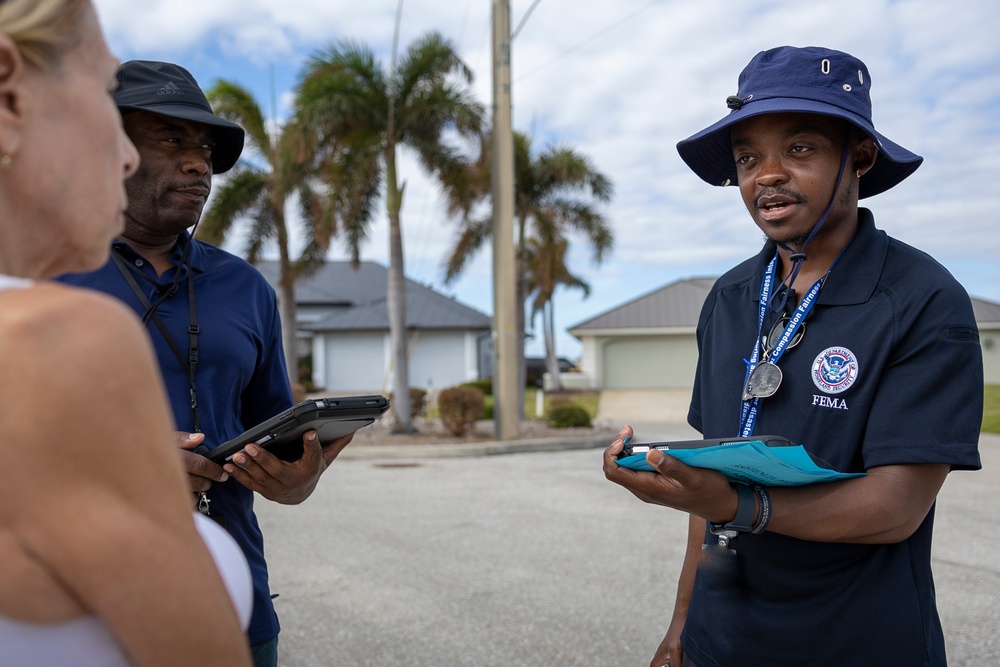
[799,257]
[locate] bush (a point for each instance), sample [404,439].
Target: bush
[568,415]
[460,407]
[485,386]
[416,401]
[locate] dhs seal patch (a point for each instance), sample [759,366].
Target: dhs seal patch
[835,370]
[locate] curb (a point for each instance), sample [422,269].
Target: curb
[488,448]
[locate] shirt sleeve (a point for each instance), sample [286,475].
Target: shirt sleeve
[929,404]
[268,391]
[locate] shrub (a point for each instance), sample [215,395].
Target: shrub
[485,386]
[416,401]
[568,415]
[460,407]
[417,397]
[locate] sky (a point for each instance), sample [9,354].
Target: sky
[622,81]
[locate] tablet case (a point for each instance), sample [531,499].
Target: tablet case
[281,435]
[643,447]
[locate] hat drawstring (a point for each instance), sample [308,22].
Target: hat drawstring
[799,257]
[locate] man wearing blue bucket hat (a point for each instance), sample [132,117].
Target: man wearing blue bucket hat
[838,337]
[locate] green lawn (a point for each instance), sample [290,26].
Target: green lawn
[991,409]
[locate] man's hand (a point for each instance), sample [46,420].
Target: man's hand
[201,472]
[698,491]
[285,482]
[670,651]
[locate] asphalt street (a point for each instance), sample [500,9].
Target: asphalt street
[534,559]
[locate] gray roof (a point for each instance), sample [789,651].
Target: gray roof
[677,306]
[674,306]
[358,297]
[987,313]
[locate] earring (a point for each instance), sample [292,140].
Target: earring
[6,160]
[857,172]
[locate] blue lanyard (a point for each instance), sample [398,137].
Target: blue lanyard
[749,409]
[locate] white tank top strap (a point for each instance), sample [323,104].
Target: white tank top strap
[13,282]
[232,565]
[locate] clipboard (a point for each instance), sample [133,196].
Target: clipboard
[767,460]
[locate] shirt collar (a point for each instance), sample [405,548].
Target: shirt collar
[196,254]
[856,274]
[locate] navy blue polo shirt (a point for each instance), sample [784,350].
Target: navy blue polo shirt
[889,371]
[240,375]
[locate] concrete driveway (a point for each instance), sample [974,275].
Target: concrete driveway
[534,559]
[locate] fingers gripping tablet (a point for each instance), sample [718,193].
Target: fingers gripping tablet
[643,447]
[281,435]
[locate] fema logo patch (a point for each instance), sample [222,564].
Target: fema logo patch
[835,370]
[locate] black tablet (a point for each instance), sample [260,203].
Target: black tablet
[281,435]
[643,447]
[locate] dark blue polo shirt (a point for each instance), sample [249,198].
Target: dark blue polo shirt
[240,375]
[889,371]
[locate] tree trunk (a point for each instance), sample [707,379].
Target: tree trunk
[286,300]
[551,359]
[289,331]
[520,297]
[396,302]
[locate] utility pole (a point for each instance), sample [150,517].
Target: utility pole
[505,372]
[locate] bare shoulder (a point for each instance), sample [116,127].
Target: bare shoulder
[73,317]
[75,363]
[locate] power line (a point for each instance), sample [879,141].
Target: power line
[586,41]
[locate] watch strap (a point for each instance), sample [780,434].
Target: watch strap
[746,508]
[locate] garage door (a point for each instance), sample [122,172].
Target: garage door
[355,362]
[650,362]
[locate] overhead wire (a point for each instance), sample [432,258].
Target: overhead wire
[587,40]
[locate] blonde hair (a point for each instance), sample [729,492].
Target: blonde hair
[43,30]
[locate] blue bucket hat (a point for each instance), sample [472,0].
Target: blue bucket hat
[170,90]
[799,80]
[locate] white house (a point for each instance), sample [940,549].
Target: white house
[343,322]
[649,342]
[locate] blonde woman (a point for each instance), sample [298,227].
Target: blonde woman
[101,561]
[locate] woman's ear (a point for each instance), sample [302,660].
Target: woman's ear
[11,95]
[864,155]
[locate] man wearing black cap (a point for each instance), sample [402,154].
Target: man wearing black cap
[212,317]
[840,338]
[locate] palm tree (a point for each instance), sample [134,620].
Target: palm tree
[555,195]
[545,262]
[360,114]
[262,192]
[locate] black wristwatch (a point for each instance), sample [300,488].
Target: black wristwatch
[746,507]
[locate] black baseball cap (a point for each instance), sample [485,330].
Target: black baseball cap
[170,90]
